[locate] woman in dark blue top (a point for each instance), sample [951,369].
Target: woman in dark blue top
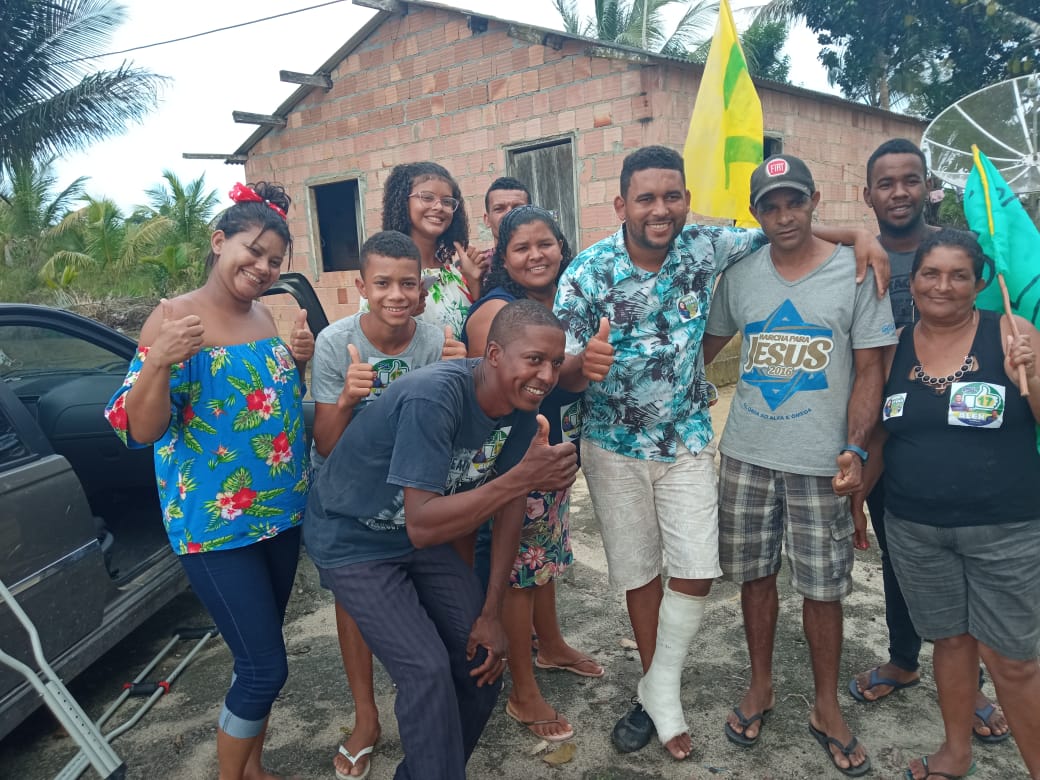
[961,510]
[528,261]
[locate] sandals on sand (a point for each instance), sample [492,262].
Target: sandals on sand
[984,714]
[738,737]
[909,773]
[532,724]
[846,750]
[353,762]
[575,667]
[875,680]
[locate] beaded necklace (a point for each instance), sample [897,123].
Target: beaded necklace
[938,384]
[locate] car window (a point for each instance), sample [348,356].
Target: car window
[31,350]
[12,448]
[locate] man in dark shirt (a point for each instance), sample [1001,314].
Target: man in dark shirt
[443,448]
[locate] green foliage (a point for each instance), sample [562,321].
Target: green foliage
[56,248]
[951,211]
[918,54]
[52,99]
[763,44]
[641,24]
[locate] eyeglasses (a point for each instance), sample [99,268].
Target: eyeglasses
[428,198]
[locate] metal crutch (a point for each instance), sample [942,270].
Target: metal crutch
[138,687]
[56,696]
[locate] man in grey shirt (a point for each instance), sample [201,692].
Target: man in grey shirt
[809,393]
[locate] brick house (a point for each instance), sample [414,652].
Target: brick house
[485,98]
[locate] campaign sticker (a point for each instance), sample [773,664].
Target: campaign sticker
[689,307]
[893,406]
[976,404]
[570,421]
[387,370]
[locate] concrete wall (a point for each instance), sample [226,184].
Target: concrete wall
[423,86]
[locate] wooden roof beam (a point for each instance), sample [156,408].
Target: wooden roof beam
[230,159]
[321,80]
[246,118]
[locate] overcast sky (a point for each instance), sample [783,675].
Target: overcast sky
[238,69]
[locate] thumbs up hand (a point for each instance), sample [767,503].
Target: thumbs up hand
[359,380]
[301,343]
[453,348]
[179,338]
[545,466]
[598,356]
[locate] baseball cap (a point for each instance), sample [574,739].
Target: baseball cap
[781,170]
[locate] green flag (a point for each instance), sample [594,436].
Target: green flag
[1008,236]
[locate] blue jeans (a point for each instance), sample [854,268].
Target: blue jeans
[246,590]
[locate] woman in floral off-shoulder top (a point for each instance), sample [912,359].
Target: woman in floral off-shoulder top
[220,397]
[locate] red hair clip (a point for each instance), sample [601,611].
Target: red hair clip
[242,193]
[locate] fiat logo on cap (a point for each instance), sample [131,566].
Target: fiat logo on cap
[777,167]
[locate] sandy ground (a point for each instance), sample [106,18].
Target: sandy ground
[176,739]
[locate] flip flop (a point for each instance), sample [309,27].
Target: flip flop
[738,737]
[571,667]
[846,750]
[984,714]
[876,679]
[909,774]
[532,723]
[353,762]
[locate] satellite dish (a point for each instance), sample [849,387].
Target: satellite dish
[1003,120]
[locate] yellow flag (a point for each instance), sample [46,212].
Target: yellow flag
[724,143]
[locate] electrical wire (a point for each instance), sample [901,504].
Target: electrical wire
[200,34]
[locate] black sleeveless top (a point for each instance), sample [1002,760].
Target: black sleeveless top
[967,456]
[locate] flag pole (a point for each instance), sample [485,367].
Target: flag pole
[1023,381]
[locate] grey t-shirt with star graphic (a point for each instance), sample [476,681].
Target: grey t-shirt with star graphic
[790,410]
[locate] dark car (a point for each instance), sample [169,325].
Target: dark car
[82,544]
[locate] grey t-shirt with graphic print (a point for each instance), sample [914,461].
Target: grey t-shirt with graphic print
[426,431]
[790,411]
[331,360]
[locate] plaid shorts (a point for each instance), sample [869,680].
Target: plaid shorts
[762,510]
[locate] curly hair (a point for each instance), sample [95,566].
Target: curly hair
[252,214]
[498,276]
[395,204]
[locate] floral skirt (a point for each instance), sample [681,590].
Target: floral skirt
[545,541]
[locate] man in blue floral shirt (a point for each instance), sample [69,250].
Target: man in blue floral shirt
[636,303]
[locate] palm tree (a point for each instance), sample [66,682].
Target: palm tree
[99,236]
[51,100]
[640,24]
[188,208]
[30,213]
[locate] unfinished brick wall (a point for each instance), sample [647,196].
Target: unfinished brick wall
[423,86]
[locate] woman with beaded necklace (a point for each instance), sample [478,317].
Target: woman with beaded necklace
[963,522]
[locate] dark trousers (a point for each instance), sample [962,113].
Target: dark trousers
[246,590]
[904,645]
[416,613]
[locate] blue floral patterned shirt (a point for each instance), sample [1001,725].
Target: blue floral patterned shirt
[232,467]
[655,393]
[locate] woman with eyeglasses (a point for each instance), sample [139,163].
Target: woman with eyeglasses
[528,261]
[423,201]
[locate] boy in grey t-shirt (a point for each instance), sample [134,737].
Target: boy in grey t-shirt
[809,393]
[355,359]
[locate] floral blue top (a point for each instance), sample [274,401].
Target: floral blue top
[655,393]
[232,467]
